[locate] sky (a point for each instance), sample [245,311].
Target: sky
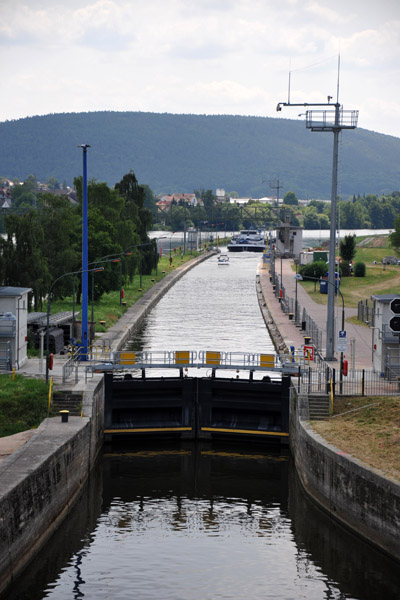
[201,57]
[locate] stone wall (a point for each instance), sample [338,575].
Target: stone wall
[360,497]
[39,484]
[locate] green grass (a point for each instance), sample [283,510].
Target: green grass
[368,255]
[355,289]
[23,403]
[377,280]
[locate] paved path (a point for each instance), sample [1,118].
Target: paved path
[293,334]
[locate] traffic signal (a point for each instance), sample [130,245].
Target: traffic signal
[395,306]
[394,322]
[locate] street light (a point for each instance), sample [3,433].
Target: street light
[84,269]
[170,248]
[101,260]
[329,121]
[48,312]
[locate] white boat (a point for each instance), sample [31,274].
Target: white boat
[223,259]
[248,240]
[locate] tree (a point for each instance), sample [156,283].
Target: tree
[311,218]
[394,237]
[290,198]
[348,247]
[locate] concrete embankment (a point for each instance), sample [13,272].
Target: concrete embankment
[360,497]
[40,481]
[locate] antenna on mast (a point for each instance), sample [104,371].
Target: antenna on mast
[338,79]
[290,73]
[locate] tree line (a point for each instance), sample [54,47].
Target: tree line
[44,242]
[357,212]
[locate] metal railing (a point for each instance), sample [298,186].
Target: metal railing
[326,119]
[180,359]
[5,356]
[365,312]
[358,382]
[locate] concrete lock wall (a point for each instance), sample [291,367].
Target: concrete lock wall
[40,482]
[361,498]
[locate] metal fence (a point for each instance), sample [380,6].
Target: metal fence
[358,382]
[5,356]
[365,312]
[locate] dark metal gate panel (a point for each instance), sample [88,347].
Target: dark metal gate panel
[202,408]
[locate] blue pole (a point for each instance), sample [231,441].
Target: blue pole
[85,289]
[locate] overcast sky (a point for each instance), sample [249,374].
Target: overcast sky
[200,57]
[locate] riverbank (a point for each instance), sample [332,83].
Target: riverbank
[359,495]
[41,475]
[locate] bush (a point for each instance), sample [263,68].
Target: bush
[359,269]
[314,270]
[345,268]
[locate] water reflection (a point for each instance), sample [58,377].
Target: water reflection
[203,521]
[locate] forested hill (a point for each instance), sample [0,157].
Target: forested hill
[181,153]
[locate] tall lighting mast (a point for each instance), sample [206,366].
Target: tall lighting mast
[333,119]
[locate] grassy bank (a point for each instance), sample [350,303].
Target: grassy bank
[368,429]
[23,403]
[377,280]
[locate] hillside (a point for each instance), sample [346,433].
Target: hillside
[173,153]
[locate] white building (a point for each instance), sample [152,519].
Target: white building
[13,325]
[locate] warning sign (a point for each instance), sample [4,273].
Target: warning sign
[308,352]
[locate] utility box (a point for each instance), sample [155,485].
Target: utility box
[320,255]
[13,325]
[386,335]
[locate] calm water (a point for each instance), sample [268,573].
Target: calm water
[203,521]
[212,307]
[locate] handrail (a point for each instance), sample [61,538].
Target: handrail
[179,359]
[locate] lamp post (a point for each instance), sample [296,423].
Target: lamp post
[170,248]
[96,262]
[295,302]
[84,270]
[333,121]
[48,311]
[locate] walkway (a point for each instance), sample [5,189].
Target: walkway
[293,335]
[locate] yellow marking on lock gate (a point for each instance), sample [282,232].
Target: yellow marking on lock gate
[127,358]
[213,358]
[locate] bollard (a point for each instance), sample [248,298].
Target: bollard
[307,340]
[123,303]
[64,416]
[102,323]
[290,316]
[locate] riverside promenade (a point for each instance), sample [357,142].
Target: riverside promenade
[294,336]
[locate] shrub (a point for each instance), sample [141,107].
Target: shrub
[359,269]
[314,270]
[345,268]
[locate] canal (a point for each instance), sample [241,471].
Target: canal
[203,521]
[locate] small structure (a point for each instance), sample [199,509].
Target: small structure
[13,326]
[289,239]
[386,335]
